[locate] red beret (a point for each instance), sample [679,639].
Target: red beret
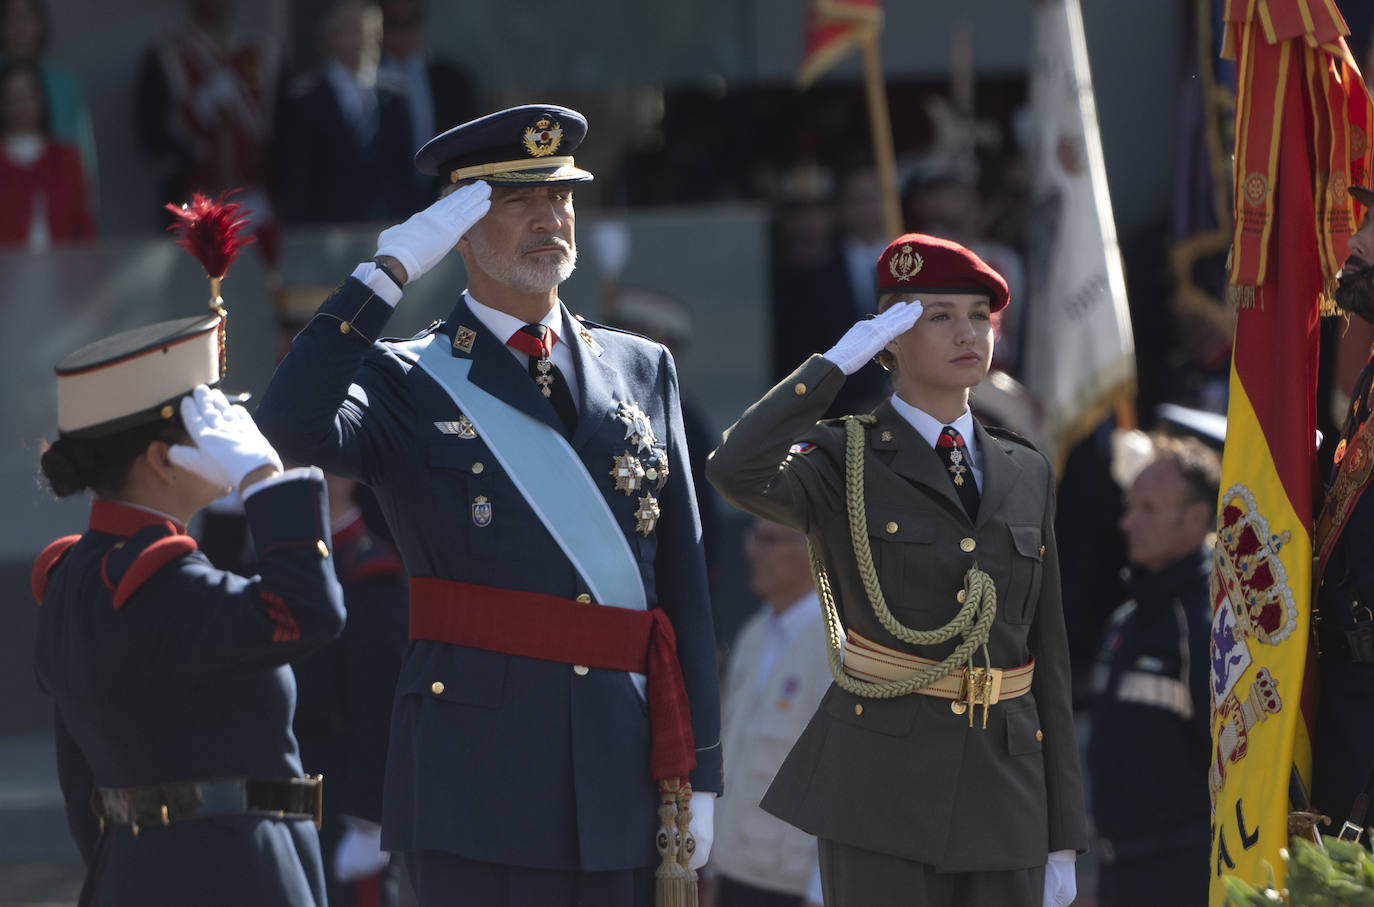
[918,262]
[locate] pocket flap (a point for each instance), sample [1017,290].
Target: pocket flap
[456,674]
[894,717]
[1027,539]
[1023,732]
[900,525]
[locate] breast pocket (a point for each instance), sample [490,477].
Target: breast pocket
[891,535]
[468,468]
[1027,560]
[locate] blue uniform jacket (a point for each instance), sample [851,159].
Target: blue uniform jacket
[512,760]
[164,668]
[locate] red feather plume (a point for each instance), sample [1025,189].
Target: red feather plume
[209,230]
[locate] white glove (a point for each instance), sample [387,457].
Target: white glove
[228,443]
[868,337]
[702,826]
[360,853]
[428,235]
[1061,885]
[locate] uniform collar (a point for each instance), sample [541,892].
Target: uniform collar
[504,325]
[124,519]
[929,427]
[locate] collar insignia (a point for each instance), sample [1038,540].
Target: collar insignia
[464,338]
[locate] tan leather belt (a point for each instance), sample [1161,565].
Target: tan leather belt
[867,660]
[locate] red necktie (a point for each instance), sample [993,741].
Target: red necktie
[536,341]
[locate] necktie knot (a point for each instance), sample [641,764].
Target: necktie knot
[533,340]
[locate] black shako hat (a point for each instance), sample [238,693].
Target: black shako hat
[529,145]
[137,376]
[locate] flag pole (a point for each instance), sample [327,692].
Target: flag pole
[880,126]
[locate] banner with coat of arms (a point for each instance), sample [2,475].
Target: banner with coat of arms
[1301,112]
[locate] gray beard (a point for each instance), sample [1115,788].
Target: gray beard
[522,274]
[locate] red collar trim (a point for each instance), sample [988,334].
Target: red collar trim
[118,518]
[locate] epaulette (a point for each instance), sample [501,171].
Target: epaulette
[365,557]
[1006,434]
[47,562]
[132,562]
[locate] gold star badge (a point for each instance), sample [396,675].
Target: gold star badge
[639,431]
[887,436]
[628,473]
[647,514]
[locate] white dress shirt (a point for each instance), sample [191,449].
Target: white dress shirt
[929,428]
[503,326]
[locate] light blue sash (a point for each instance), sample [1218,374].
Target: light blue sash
[549,474]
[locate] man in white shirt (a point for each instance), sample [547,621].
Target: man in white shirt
[775,679]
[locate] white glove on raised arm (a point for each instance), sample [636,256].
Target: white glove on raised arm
[868,337]
[428,235]
[228,443]
[1061,883]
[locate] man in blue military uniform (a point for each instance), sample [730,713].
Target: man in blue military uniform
[1343,748]
[1150,694]
[531,466]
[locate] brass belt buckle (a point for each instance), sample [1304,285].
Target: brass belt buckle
[319,799]
[978,686]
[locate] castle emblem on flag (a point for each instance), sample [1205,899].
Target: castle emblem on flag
[1248,577]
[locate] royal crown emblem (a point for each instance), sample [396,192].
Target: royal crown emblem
[906,262]
[1248,576]
[543,137]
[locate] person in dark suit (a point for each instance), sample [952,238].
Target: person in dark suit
[173,699]
[941,768]
[1343,748]
[561,679]
[343,131]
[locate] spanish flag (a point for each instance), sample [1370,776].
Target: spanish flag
[833,29]
[1302,115]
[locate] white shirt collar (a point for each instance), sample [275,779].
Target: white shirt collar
[504,325]
[929,427]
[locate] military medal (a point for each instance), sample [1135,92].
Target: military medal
[638,430]
[545,378]
[659,472]
[956,465]
[628,473]
[481,511]
[647,514]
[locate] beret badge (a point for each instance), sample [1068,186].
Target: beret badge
[905,263]
[543,137]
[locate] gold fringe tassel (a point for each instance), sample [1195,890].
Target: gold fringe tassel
[675,882]
[1326,303]
[1242,297]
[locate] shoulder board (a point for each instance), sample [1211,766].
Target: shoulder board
[46,562]
[366,557]
[584,322]
[420,335]
[1006,434]
[132,562]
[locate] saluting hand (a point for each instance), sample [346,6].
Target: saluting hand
[868,337]
[428,235]
[228,445]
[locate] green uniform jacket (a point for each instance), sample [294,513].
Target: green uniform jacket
[907,776]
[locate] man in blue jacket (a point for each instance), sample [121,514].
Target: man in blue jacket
[561,679]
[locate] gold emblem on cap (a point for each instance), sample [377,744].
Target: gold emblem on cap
[464,338]
[906,262]
[543,138]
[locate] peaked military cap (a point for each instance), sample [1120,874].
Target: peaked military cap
[137,376]
[521,146]
[916,262]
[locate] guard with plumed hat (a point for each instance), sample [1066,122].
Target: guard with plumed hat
[933,547]
[557,710]
[170,680]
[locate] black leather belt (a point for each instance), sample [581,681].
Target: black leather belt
[177,801]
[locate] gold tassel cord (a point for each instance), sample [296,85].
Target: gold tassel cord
[675,885]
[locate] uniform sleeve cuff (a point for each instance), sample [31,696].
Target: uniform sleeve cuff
[371,276]
[290,475]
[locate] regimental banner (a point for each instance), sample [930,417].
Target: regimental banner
[1079,351]
[1297,96]
[833,29]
